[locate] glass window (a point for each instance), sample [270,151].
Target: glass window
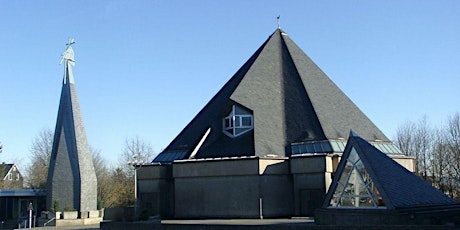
[246,121]
[393,149]
[335,147]
[346,172]
[238,122]
[342,146]
[239,131]
[294,149]
[318,148]
[337,195]
[303,148]
[380,147]
[228,122]
[310,148]
[326,147]
[355,187]
[353,157]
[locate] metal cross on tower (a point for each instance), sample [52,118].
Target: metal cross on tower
[68,54]
[278,20]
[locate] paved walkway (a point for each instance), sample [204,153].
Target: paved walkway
[83,227]
[242,221]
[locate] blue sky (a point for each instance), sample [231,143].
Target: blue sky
[146,68]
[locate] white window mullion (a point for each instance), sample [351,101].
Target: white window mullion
[235,126]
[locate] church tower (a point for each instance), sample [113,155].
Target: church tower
[72,182]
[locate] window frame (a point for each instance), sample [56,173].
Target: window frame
[233,125]
[355,168]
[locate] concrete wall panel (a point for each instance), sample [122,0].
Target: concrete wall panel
[155,190]
[230,196]
[308,164]
[273,166]
[154,172]
[406,162]
[227,167]
[277,196]
[304,186]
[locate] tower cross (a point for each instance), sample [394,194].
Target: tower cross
[68,54]
[71,41]
[278,20]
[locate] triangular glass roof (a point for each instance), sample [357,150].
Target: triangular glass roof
[367,178]
[355,187]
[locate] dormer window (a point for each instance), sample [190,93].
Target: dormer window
[238,122]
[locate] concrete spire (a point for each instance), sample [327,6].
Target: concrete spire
[71,176]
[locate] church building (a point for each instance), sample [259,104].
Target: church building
[266,145]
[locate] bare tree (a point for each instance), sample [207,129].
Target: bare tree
[416,139]
[440,162]
[40,151]
[404,138]
[37,172]
[115,187]
[437,151]
[453,150]
[107,194]
[135,153]
[135,150]
[424,147]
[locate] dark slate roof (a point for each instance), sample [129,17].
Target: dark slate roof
[291,99]
[70,143]
[399,187]
[4,169]
[71,163]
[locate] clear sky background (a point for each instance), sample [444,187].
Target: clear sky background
[146,68]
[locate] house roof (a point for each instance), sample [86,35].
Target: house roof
[291,98]
[397,186]
[4,169]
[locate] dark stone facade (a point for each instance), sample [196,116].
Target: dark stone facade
[72,180]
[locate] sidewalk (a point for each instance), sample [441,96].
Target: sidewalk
[307,221]
[81,227]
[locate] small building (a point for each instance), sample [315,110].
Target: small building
[14,200]
[370,188]
[266,145]
[14,204]
[10,177]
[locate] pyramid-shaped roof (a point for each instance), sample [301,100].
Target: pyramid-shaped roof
[368,178]
[291,100]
